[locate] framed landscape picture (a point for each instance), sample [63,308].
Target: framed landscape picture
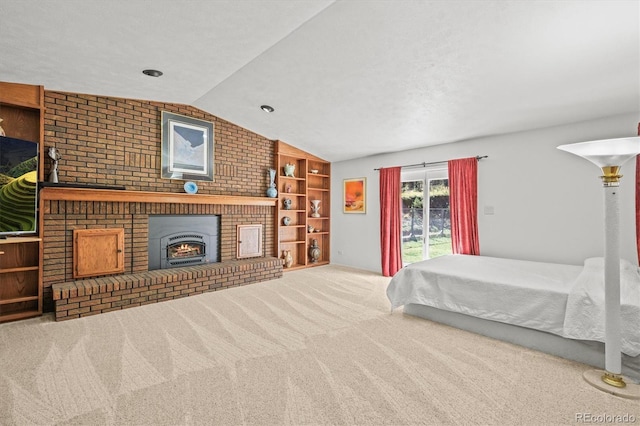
[355,200]
[187,148]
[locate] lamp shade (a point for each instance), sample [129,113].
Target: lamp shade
[606,152]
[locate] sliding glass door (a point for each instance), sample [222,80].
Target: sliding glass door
[426,224]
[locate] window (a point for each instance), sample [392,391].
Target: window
[425,206]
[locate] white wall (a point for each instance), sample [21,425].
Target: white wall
[548,204]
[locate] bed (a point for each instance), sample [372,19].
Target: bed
[550,307]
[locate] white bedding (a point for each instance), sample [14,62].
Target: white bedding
[584,317]
[529,294]
[556,298]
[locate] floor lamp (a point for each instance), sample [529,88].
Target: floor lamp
[609,155]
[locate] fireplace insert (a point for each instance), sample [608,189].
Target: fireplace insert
[183,240]
[183,249]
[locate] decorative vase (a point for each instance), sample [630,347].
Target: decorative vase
[55,156]
[272,192]
[286,220]
[309,228]
[288,259]
[289,169]
[314,251]
[315,208]
[287,203]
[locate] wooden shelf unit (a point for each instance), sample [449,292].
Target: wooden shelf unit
[301,188]
[20,278]
[22,111]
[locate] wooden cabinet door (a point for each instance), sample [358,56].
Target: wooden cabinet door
[98,252]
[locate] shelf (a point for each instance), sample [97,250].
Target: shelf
[19,240]
[19,315]
[83,194]
[46,184]
[18,300]
[304,186]
[294,267]
[19,269]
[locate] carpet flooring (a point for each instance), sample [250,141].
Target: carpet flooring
[316,347]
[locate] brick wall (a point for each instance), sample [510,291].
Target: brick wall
[113,141]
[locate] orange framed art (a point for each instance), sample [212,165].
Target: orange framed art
[354,198]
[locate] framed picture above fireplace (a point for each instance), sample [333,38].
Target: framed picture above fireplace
[187,148]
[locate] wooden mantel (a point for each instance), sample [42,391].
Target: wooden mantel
[112,195]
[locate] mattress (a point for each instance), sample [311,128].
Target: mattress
[566,300]
[529,294]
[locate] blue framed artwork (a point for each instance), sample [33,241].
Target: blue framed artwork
[187,148]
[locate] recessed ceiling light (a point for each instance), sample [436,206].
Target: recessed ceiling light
[267,108]
[152,73]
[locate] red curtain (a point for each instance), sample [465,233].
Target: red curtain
[390,220]
[638,201]
[463,196]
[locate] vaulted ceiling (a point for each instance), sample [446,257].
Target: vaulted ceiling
[347,78]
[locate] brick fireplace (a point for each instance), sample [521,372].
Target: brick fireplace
[117,142]
[69,209]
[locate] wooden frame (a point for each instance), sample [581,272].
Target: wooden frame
[355,195]
[187,148]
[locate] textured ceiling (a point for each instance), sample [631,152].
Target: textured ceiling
[347,78]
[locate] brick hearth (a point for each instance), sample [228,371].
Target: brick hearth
[95,296]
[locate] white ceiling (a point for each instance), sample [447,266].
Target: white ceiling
[347,78]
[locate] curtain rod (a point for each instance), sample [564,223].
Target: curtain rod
[478,157]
